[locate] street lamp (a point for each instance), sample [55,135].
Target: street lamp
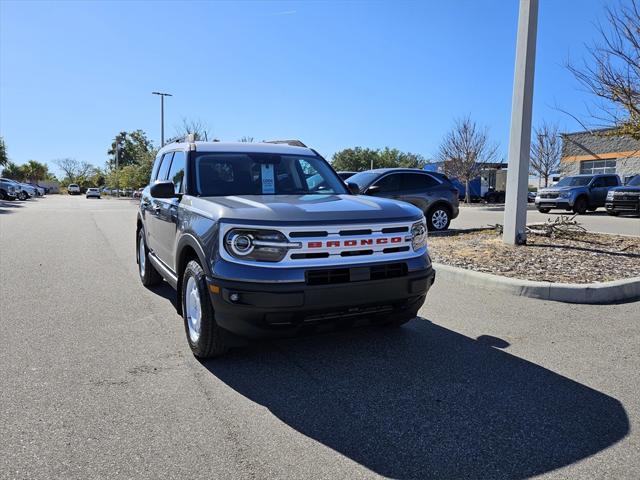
[118,150]
[162,95]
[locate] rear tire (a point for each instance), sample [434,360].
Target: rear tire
[23,196]
[149,276]
[581,205]
[438,218]
[544,210]
[205,337]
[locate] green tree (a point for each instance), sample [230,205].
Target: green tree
[35,171]
[13,171]
[392,157]
[4,159]
[135,148]
[356,159]
[359,159]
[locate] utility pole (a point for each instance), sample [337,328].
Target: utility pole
[515,212]
[162,95]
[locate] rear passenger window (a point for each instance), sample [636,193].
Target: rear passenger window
[418,181]
[164,168]
[176,172]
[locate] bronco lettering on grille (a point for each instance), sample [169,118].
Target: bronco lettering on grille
[354,243]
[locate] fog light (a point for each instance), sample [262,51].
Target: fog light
[234,297]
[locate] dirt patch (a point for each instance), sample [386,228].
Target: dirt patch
[584,258]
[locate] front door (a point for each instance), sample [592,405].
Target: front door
[598,192]
[166,219]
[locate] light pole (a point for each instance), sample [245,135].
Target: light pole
[515,212]
[162,95]
[118,150]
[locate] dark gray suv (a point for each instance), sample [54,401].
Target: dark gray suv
[431,192]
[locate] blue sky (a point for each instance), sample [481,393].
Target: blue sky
[333,74]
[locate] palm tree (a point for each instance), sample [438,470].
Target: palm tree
[35,171]
[13,171]
[4,159]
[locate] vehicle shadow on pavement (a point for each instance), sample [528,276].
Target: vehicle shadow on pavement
[8,207]
[423,401]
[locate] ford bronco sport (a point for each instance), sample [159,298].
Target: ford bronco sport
[266,239]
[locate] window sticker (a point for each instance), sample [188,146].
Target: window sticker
[268,183]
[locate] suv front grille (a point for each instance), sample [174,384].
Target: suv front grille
[332,276]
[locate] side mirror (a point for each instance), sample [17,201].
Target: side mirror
[163,189]
[373,189]
[353,188]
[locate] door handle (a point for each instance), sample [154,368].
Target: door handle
[157,208]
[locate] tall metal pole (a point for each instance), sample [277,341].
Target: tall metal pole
[118,147]
[162,95]
[515,213]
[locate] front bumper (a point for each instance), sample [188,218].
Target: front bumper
[285,309]
[564,203]
[623,206]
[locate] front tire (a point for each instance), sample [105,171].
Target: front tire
[581,205]
[149,276]
[438,218]
[23,196]
[205,337]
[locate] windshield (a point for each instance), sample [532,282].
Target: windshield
[634,182]
[574,182]
[221,174]
[363,179]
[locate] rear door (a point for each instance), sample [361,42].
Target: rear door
[166,219]
[419,189]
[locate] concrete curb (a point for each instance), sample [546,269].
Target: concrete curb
[589,293]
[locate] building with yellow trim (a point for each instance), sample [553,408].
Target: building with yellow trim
[600,151]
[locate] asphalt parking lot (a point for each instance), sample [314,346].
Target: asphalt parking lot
[97,380]
[480,215]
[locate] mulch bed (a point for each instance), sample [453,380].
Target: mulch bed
[581,258]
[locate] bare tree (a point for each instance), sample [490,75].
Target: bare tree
[195,127]
[546,151]
[246,139]
[611,70]
[73,169]
[465,150]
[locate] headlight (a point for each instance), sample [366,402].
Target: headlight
[564,195]
[610,195]
[258,245]
[419,235]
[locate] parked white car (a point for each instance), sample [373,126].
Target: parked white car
[73,189]
[93,192]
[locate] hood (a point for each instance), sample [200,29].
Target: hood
[559,189]
[627,188]
[305,208]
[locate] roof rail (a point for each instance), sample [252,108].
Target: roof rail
[187,138]
[293,143]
